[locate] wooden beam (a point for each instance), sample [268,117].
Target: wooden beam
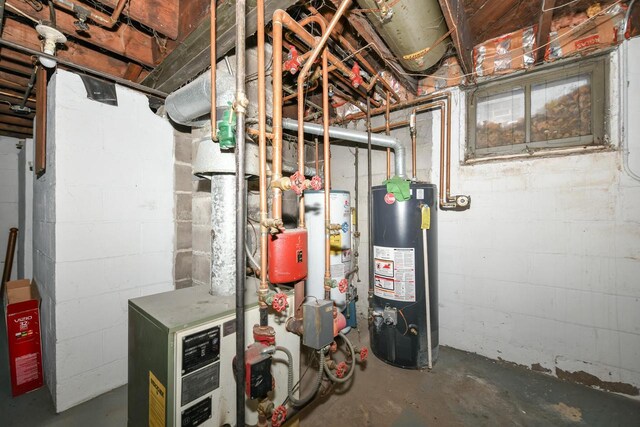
[125,40]
[15,68]
[192,56]
[544,27]
[133,72]
[17,99]
[16,120]
[160,15]
[26,35]
[456,18]
[18,58]
[40,138]
[16,129]
[15,134]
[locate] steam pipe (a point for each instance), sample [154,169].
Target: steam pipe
[29,88]
[357,137]
[213,38]
[369,203]
[241,212]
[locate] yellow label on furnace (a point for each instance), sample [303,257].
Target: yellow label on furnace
[335,242]
[157,402]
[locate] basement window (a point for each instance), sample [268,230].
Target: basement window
[557,107]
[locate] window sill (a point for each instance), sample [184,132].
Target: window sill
[544,153]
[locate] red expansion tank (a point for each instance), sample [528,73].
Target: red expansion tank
[288,256]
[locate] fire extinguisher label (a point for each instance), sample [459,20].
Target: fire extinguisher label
[395,273]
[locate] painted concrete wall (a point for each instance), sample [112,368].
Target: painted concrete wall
[8,196]
[25,197]
[112,237]
[544,269]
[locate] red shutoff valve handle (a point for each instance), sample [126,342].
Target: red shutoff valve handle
[364,353]
[292,63]
[343,286]
[280,302]
[316,183]
[341,369]
[298,182]
[356,80]
[279,416]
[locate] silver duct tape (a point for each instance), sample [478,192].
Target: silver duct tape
[503,55]
[528,44]
[223,234]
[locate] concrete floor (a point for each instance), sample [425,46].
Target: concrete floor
[462,390]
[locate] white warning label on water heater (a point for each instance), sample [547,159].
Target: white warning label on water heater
[394,273]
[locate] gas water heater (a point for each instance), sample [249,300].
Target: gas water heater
[403,268]
[340,212]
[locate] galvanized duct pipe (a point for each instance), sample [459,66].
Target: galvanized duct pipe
[223,234]
[359,137]
[193,100]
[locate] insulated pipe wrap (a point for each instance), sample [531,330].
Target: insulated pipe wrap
[358,137]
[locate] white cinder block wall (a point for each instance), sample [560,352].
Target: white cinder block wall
[114,232]
[544,269]
[8,196]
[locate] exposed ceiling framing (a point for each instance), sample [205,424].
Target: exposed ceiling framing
[164,44]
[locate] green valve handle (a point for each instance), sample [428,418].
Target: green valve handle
[227,130]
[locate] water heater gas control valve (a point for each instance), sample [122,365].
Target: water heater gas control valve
[390,316]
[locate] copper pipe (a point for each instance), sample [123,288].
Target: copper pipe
[388,132]
[276,157]
[302,76]
[256,132]
[327,152]
[262,154]
[444,104]
[295,95]
[414,150]
[346,45]
[99,18]
[8,258]
[213,37]
[400,105]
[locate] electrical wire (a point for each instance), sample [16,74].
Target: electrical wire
[21,13]
[557,7]
[406,324]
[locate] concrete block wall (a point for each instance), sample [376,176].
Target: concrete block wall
[107,234]
[543,269]
[8,195]
[183,194]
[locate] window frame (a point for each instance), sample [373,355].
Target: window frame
[596,67]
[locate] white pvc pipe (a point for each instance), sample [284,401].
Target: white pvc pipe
[427,297]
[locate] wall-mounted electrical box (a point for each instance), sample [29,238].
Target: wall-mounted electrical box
[181,348]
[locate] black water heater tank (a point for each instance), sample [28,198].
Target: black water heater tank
[398,321]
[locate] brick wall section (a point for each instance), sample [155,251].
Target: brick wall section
[183,195]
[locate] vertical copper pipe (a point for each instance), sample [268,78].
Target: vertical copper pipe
[388,132]
[448,138]
[214,119]
[276,157]
[414,145]
[262,154]
[301,79]
[8,258]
